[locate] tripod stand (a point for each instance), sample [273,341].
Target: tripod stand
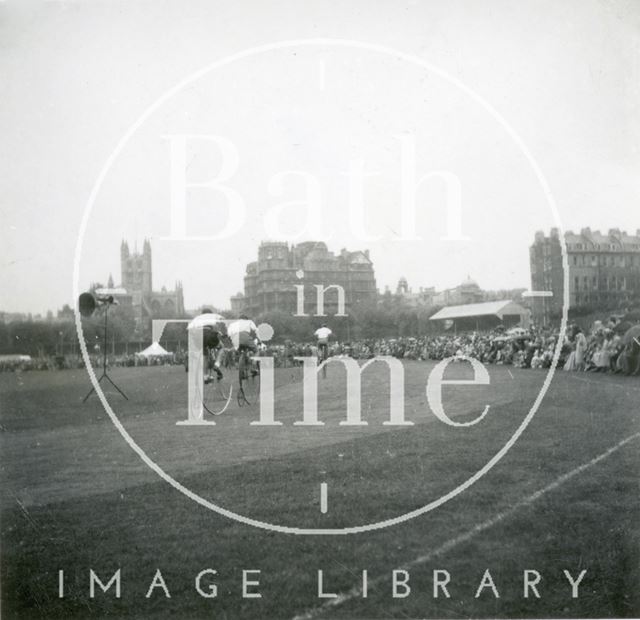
[104,374]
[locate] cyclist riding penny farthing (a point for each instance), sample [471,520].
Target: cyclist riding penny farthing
[216,389]
[322,334]
[244,336]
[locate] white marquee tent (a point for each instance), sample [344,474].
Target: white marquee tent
[154,350]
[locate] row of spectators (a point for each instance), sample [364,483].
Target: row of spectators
[66,362]
[604,348]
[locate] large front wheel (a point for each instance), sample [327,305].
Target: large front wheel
[249,382]
[323,357]
[216,391]
[216,395]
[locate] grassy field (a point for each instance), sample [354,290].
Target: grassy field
[75,497]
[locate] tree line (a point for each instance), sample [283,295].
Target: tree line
[391,317]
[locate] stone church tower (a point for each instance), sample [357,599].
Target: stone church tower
[136,268]
[137,280]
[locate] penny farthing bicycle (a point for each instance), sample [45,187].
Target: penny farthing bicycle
[323,356]
[216,392]
[248,379]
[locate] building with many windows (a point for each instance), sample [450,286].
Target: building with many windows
[604,271]
[270,283]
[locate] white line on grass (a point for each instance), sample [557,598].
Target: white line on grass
[356,591]
[323,498]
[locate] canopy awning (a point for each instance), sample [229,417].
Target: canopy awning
[488,308]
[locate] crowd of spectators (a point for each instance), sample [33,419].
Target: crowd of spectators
[602,349]
[14,363]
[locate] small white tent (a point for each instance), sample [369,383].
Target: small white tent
[154,350]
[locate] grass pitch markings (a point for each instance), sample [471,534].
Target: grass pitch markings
[356,591]
[323,498]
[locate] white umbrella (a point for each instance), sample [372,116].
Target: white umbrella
[517,331]
[202,320]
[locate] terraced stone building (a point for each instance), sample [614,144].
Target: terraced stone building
[604,271]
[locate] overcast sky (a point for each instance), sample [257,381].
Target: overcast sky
[74,76]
